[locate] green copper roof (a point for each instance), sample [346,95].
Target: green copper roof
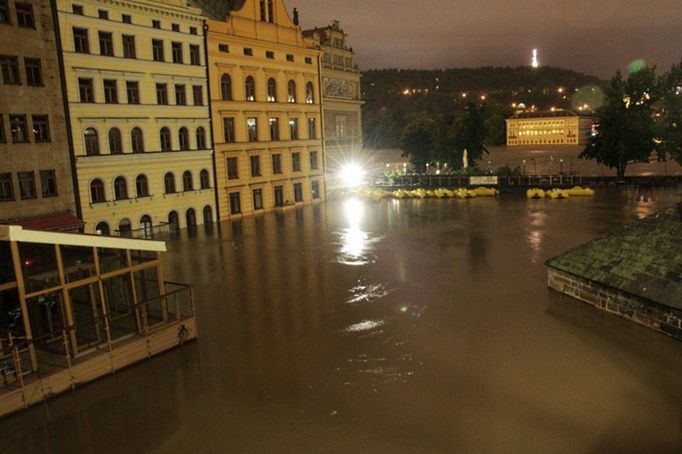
[643,258]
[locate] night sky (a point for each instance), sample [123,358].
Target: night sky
[592,36]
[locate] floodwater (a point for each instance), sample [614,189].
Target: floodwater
[400,326]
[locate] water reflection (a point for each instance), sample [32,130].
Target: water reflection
[355,242]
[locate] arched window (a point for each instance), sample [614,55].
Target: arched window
[125,227]
[136,141]
[250,88]
[191,218]
[272,90]
[115,143]
[174,221]
[201,138]
[169,183]
[271,12]
[91,142]
[187,183]
[97,191]
[291,91]
[102,228]
[204,179]
[142,186]
[208,216]
[309,93]
[226,87]
[146,224]
[183,136]
[165,137]
[120,188]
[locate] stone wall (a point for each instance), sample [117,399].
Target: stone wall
[639,310]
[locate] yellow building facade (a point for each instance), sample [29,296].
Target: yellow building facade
[266,111]
[558,127]
[136,86]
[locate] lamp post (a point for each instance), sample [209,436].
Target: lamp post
[561,166]
[524,166]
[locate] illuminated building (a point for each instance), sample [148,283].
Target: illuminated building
[36,184]
[265,102]
[136,85]
[558,127]
[341,96]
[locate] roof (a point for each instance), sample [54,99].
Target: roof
[18,233]
[60,221]
[642,259]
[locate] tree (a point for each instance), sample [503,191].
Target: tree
[416,141]
[670,124]
[626,131]
[496,128]
[470,132]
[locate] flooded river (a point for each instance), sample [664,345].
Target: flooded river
[400,326]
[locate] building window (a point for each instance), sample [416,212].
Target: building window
[279,196]
[91,142]
[156,23]
[80,40]
[169,183]
[19,128]
[250,88]
[312,129]
[136,140]
[176,51]
[157,50]
[10,70]
[257,199]
[293,128]
[232,169]
[187,181]
[126,18]
[192,30]
[271,11]
[165,139]
[120,188]
[180,95]
[228,129]
[291,91]
[194,55]
[296,161]
[3,138]
[25,15]
[235,205]
[183,137]
[27,185]
[255,166]
[226,87]
[77,9]
[290,57]
[128,46]
[162,94]
[309,93]
[4,16]
[41,128]
[106,44]
[34,74]
[340,126]
[115,142]
[85,90]
[298,192]
[274,128]
[146,224]
[269,54]
[272,90]
[313,160]
[201,138]
[276,163]
[6,187]
[309,60]
[198,95]
[103,14]
[204,179]
[142,186]
[223,48]
[97,191]
[110,91]
[248,51]
[252,128]
[133,92]
[175,27]
[263,12]
[315,189]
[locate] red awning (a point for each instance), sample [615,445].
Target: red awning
[58,222]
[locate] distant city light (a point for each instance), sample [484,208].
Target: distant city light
[560,90]
[482,97]
[464,95]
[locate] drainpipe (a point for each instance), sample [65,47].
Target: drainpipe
[210,118]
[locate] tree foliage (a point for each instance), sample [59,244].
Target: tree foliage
[470,132]
[626,129]
[670,120]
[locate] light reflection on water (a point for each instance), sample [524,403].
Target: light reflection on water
[355,243]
